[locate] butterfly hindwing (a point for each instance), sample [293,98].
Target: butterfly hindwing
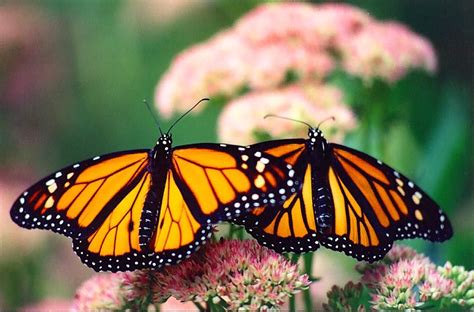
[290,226]
[115,245]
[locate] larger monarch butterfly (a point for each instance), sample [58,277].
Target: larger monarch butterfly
[146,208]
[348,201]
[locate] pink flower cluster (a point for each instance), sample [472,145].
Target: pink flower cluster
[387,50]
[278,40]
[311,103]
[231,273]
[406,284]
[406,280]
[101,292]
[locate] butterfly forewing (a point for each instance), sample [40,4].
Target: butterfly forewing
[224,181]
[75,200]
[396,204]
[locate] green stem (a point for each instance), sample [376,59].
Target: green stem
[292,304]
[308,269]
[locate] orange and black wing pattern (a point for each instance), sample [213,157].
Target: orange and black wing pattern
[220,182]
[375,205]
[115,245]
[122,217]
[76,200]
[290,226]
[98,203]
[363,204]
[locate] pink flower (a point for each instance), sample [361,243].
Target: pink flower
[397,253]
[241,274]
[388,51]
[406,283]
[101,292]
[278,40]
[310,103]
[462,293]
[405,280]
[218,66]
[309,25]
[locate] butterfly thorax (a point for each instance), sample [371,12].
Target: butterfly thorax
[318,149]
[159,163]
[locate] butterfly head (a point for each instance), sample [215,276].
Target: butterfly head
[163,145]
[315,133]
[166,139]
[317,143]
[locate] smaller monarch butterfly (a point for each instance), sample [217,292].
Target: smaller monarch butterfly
[348,201]
[146,208]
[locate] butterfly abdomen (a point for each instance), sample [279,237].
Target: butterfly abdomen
[149,218]
[317,147]
[322,203]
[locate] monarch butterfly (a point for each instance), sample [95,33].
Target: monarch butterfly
[348,201]
[146,208]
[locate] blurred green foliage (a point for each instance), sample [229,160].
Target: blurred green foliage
[111,62]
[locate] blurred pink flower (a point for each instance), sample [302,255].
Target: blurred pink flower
[277,40]
[315,26]
[238,274]
[218,66]
[388,51]
[173,305]
[29,64]
[101,292]
[310,103]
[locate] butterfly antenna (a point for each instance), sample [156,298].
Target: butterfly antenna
[287,118]
[153,115]
[324,120]
[189,110]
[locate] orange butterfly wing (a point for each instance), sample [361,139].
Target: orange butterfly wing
[372,205]
[375,205]
[100,202]
[290,226]
[75,200]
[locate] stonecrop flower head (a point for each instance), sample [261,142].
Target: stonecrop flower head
[231,273]
[311,103]
[100,293]
[387,51]
[279,43]
[406,280]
